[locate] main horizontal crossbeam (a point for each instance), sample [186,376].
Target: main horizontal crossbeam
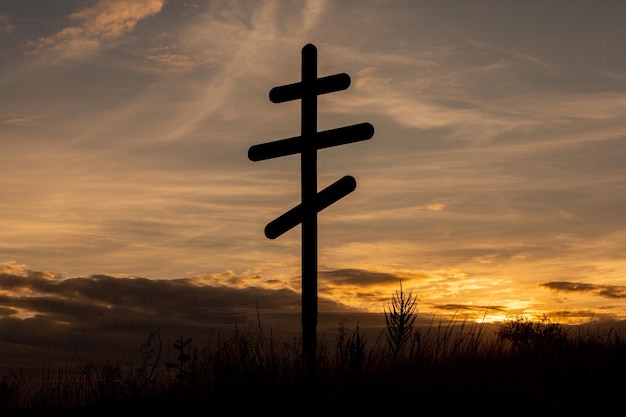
[325,139]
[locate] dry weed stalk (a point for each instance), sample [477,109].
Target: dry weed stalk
[399,318]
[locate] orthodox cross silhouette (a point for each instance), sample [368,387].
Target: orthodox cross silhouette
[305,213]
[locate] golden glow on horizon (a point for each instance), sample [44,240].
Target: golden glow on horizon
[434,292]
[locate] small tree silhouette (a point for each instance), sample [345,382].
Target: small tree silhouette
[183,347]
[400,317]
[524,334]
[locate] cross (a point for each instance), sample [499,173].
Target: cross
[312,201]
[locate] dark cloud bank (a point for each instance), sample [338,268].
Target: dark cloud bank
[46,318]
[606,291]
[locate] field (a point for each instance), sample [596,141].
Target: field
[443,368]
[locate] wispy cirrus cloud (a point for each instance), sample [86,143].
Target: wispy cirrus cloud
[169,60]
[497,100]
[20,120]
[103,22]
[244,44]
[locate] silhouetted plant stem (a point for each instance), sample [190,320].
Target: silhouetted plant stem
[399,317]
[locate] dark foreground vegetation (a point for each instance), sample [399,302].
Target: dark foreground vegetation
[525,368]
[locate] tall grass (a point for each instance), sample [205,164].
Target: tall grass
[445,368]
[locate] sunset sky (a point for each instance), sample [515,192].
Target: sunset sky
[495,183]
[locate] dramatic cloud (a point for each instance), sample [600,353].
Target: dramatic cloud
[88,300]
[607,291]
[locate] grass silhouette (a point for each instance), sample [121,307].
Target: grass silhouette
[445,368]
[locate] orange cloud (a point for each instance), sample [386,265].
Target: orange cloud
[105,21]
[13,268]
[435,207]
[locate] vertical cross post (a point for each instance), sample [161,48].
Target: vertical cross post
[308,167]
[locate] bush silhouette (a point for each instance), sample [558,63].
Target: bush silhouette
[524,334]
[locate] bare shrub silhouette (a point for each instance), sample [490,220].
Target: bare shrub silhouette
[524,334]
[400,316]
